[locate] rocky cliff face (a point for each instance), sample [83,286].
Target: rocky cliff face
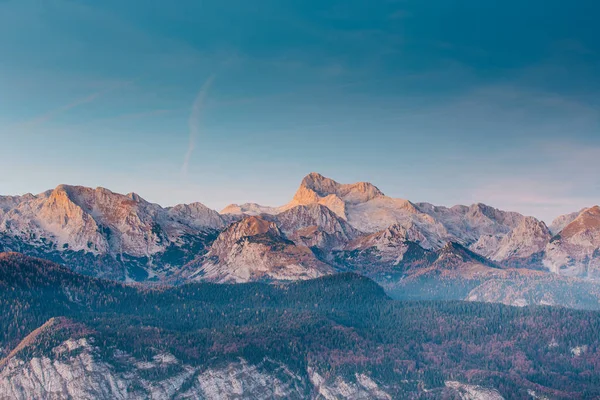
[529,237]
[248,209]
[79,374]
[315,225]
[99,221]
[196,215]
[456,261]
[537,289]
[315,187]
[473,392]
[256,249]
[575,250]
[77,368]
[85,226]
[9,202]
[563,220]
[383,252]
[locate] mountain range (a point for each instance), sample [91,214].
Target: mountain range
[109,296]
[327,227]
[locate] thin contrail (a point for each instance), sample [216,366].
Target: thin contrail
[40,119]
[194,122]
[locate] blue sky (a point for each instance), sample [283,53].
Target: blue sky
[234,101]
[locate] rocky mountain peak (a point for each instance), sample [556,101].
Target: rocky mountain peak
[454,254]
[574,250]
[319,184]
[62,193]
[256,226]
[561,221]
[10,202]
[99,200]
[135,197]
[70,219]
[61,216]
[534,227]
[196,215]
[250,226]
[482,212]
[529,237]
[587,220]
[480,208]
[315,187]
[455,249]
[255,249]
[303,216]
[315,225]
[248,209]
[306,195]
[394,231]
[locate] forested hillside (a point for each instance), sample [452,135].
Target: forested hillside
[339,325]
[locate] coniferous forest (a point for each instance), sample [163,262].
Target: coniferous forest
[341,324]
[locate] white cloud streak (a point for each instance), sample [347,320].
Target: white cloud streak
[194,122]
[48,116]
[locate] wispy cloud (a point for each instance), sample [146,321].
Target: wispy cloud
[194,122]
[143,115]
[48,116]
[40,119]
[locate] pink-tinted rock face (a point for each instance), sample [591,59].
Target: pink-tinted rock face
[323,214]
[102,222]
[255,249]
[575,250]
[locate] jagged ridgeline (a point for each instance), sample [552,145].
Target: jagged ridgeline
[415,250]
[67,335]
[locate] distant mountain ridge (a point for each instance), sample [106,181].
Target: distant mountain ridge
[79,225]
[325,228]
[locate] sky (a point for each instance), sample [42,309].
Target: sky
[223,101]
